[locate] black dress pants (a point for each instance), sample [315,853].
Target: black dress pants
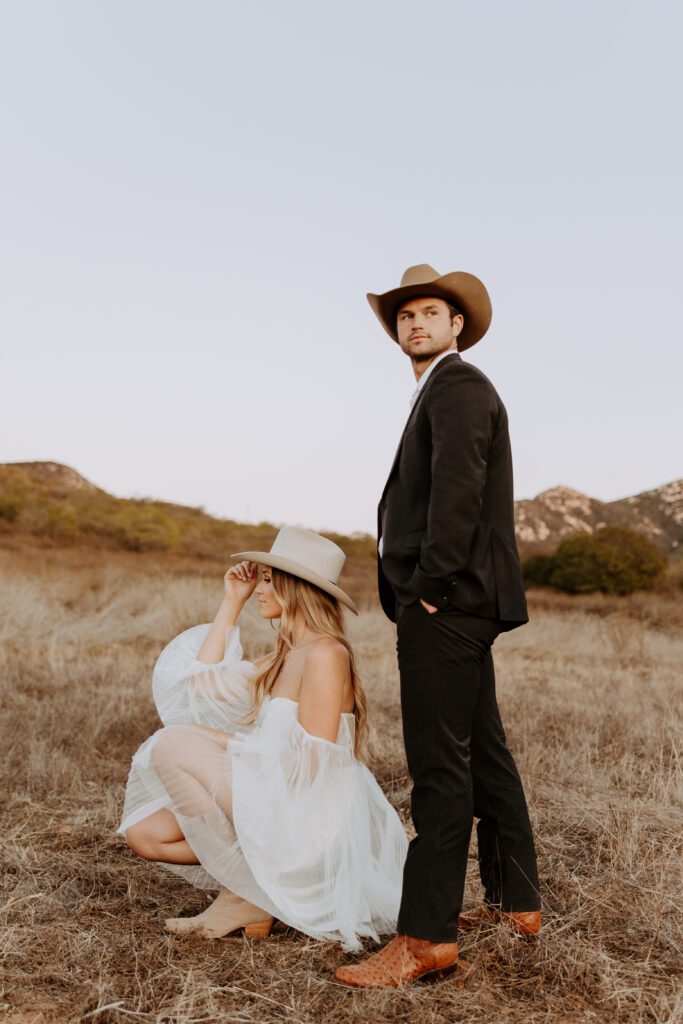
[461,768]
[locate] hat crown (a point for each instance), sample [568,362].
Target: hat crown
[310,549]
[421,273]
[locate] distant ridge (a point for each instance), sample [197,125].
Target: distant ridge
[540,522]
[543,521]
[55,473]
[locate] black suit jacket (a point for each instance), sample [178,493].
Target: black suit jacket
[446,515]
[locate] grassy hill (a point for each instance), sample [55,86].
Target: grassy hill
[54,503]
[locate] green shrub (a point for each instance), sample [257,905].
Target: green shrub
[12,501]
[14,493]
[96,513]
[613,560]
[537,570]
[145,528]
[60,521]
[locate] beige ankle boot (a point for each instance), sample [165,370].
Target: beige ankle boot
[227,913]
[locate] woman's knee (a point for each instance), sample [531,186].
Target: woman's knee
[168,748]
[141,841]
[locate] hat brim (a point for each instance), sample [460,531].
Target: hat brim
[464,291]
[297,569]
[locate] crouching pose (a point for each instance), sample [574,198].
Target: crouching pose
[255,786]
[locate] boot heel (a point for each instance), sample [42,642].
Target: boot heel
[259,930]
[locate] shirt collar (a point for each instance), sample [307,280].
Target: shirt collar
[423,379]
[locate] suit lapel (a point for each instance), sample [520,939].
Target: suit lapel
[410,419]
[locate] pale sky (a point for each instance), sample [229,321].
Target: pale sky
[195,198]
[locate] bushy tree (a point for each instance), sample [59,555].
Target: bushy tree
[537,570]
[613,560]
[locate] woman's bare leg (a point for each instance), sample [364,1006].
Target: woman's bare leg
[192,769]
[158,837]
[191,764]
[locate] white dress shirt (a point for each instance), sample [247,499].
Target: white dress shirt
[418,387]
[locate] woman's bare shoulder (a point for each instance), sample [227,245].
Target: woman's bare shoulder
[326,678]
[328,652]
[326,665]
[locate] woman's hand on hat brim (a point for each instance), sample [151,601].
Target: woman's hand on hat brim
[241,580]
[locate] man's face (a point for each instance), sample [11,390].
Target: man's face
[425,329]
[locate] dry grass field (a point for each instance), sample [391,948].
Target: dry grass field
[588,695]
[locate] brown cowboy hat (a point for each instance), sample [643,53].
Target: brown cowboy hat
[464,291]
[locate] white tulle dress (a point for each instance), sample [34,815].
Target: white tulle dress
[287,820]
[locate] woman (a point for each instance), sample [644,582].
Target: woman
[255,784]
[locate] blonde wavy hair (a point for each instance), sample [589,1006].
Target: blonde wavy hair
[322,614]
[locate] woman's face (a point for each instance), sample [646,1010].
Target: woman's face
[269,606]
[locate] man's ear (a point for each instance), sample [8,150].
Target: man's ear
[457,325]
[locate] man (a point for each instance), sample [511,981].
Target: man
[449,576]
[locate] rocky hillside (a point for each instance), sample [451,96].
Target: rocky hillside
[55,502]
[543,521]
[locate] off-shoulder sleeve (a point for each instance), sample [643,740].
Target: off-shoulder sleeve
[216,694]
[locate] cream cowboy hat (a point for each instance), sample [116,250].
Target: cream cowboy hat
[308,555]
[464,291]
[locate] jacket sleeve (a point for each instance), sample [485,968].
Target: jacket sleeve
[462,408]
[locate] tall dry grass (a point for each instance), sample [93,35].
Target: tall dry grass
[588,695]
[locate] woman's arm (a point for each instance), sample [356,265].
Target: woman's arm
[240,582]
[321,695]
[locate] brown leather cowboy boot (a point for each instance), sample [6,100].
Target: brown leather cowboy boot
[523,922]
[402,960]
